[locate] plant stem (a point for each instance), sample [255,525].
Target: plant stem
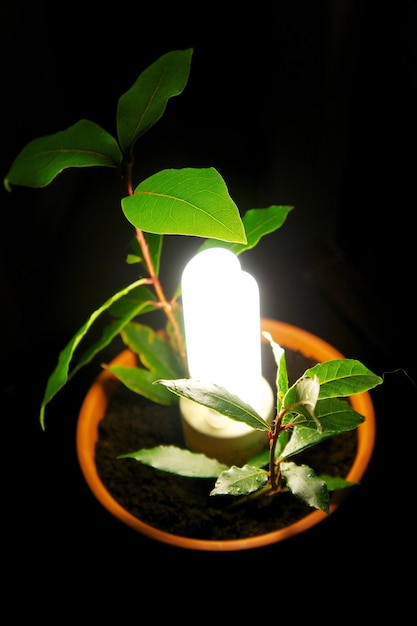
[273,466]
[165,304]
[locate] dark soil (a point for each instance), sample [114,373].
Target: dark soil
[181,505]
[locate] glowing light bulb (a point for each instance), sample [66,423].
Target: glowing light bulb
[223,338]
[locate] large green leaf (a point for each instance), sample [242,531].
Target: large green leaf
[188,201]
[82,145]
[144,103]
[177,461]
[60,374]
[343,377]
[257,224]
[216,398]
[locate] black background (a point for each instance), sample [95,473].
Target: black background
[304,103]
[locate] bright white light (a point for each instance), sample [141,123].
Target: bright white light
[222,324]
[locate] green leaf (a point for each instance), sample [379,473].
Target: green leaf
[303,399]
[257,224]
[303,482]
[239,481]
[177,461]
[60,376]
[336,482]
[141,381]
[84,144]
[145,102]
[188,201]
[343,377]
[282,374]
[335,416]
[158,359]
[154,352]
[216,398]
[154,243]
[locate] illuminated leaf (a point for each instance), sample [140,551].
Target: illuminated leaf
[188,201]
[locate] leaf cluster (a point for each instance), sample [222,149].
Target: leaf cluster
[313,409]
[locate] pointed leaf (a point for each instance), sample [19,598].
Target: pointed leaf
[188,201]
[239,481]
[343,377]
[303,482]
[82,145]
[216,398]
[257,224]
[282,374]
[177,461]
[145,102]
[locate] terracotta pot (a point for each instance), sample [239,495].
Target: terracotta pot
[94,407]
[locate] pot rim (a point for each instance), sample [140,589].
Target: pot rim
[94,406]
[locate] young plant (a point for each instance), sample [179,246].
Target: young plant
[192,202]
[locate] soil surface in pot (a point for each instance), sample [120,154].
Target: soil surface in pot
[183,506]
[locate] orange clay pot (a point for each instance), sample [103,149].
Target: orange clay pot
[94,407]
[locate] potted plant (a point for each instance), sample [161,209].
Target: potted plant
[323,403]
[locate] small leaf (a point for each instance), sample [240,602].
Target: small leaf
[188,201]
[141,381]
[335,416]
[303,482]
[82,145]
[154,352]
[154,243]
[177,461]
[216,398]
[239,481]
[158,359]
[336,482]
[282,374]
[145,102]
[303,398]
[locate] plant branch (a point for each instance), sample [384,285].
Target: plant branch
[273,466]
[154,279]
[165,305]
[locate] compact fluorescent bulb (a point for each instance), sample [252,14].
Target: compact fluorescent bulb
[222,324]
